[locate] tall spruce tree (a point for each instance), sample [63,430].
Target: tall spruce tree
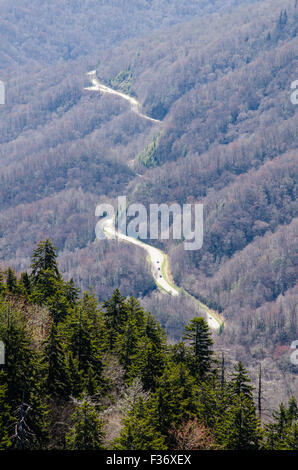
[5,415]
[282,431]
[57,376]
[141,428]
[26,283]
[127,347]
[198,335]
[115,315]
[84,345]
[176,397]
[239,428]
[23,376]
[11,281]
[44,259]
[87,431]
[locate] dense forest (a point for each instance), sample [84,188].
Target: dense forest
[217,74]
[80,375]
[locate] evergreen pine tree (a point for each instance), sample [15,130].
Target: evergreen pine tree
[292,411]
[240,383]
[44,259]
[57,380]
[23,374]
[141,345]
[180,353]
[5,415]
[127,347]
[176,397]
[26,283]
[2,285]
[198,335]
[291,438]
[222,370]
[239,427]
[141,428]
[11,281]
[76,376]
[71,293]
[85,345]
[115,315]
[281,432]
[87,431]
[47,285]
[57,302]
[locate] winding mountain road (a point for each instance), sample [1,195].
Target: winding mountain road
[135,105]
[159,266]
[158,259]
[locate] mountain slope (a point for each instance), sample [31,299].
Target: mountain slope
[219,80]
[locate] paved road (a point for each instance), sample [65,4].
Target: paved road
[135,105]
[157,258]
[158,261]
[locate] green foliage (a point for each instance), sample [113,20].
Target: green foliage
[26,283]
[44,259]
[176,397]
[138,341]
[198,335]
[46,285]
[141,428]
[238,427]
[57,378]
[123,82]
[11,281]
[86,433]
[2,285]
[5,416]
[83,343]
[71,293]
[22,376]
[282,432]
[115,315]
[149,156]
[86,353]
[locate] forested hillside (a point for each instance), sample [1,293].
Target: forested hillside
[217,74]
[44,32]
[79,375]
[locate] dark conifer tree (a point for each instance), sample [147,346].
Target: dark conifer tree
[5,415]
[57,378]
[76,376]
[239,427]
[2,285]
[198,335]
[87,431]
[115,315]
[141,428]
[176,392]
[84,345]
[44,259]
[71,293]
[11,281]
[26,283]
[23,375]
